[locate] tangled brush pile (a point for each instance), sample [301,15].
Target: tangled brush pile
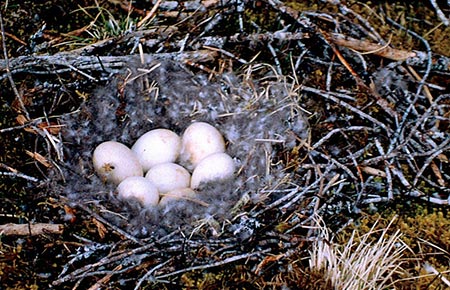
[322,116]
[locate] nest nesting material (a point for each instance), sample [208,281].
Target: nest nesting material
[317,129]
[253,119]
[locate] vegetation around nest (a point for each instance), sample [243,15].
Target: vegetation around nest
[336,113]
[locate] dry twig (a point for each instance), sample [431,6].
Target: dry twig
[32,229]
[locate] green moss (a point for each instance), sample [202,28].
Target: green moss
[303,5]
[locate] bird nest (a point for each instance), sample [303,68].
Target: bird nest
[315,127]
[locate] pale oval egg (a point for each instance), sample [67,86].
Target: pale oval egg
[157,146]
[113,162]
[168,176]
[200,140]
[215,167]
[177,194]
[139,188]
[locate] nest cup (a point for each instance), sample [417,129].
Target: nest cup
[257,121]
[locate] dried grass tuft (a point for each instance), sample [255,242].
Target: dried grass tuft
[364,262]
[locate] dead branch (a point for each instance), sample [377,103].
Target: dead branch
[215,264]
[363,115]
[64,63]
[30,229]
[15,173]
[440,15]
[368,47]
[118,255]
[7,68]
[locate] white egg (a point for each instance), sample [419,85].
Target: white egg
[168,176]
[200,140]
[177,194]
[139,188]
[114,162]
[157,146]
[218,166]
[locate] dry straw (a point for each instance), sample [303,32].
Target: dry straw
[364,262]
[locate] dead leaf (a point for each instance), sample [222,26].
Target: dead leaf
[70,212]
[437,173]
[443,158]
[373,171]
[101,229]
[21,119]
[267,260]
[52,128]
[39,158]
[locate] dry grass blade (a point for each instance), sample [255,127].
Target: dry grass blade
[361,263]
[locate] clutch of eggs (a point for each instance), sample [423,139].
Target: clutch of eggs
[200,150]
